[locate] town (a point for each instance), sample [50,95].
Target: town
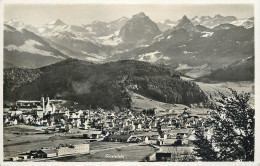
[170,134]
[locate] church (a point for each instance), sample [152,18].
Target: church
[42,107]
[48,106]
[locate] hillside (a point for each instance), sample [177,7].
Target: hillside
[104,85]
[238,71]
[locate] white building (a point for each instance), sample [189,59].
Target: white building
[73,149]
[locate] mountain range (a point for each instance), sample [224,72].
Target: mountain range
[22,48]
[197,45]
[216,42]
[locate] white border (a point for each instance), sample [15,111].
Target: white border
[129,1]
[257,78]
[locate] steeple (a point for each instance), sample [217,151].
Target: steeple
[43,104]
[48,99]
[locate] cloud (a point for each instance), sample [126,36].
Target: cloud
[81,87]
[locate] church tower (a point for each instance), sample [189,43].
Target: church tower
[48,100]
[48,106]
[43,104]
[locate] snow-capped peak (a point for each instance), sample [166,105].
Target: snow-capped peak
[122,19]
[168,21]
[218,16]
[140,15]
[14,23]
[57,22]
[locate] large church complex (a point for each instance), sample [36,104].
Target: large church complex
[41,107]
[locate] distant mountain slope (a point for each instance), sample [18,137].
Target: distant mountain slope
[211,22]
[246,22]
[238,71]
[165,25]
[105,85]
[140,28]
[197,45]
[8,65]
[26,49]
[184,23]
[19,25]
[224,26]
[117,24]
[213,41]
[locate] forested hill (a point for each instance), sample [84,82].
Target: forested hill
[104,85]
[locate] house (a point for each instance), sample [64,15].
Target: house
[96,136]
[146,140]
[93,135]
[37,154]
[135,140]
[119,138]
[160,156]
[185,114]
[24,157]
[39,113]
[14,111]
[165,127]
[73,149]
[50,152]
[160,142]
[139,126]
[132,127]
[181,135]
[15,158]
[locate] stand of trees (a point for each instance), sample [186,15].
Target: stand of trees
[233,131]
[149,112]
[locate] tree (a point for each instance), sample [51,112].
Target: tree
[203,148]
[233,131]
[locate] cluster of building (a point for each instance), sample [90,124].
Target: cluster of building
[45,113]
[60,151]
[109,125]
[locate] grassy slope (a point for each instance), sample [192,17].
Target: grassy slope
[140,103]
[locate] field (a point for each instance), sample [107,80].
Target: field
[140,103]
[126,152]
[15,144]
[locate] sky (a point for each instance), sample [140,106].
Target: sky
[78,14]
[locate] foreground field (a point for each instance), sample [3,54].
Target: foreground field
[15,144]
[120,152]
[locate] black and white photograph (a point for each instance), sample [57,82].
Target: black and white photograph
[126,82]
